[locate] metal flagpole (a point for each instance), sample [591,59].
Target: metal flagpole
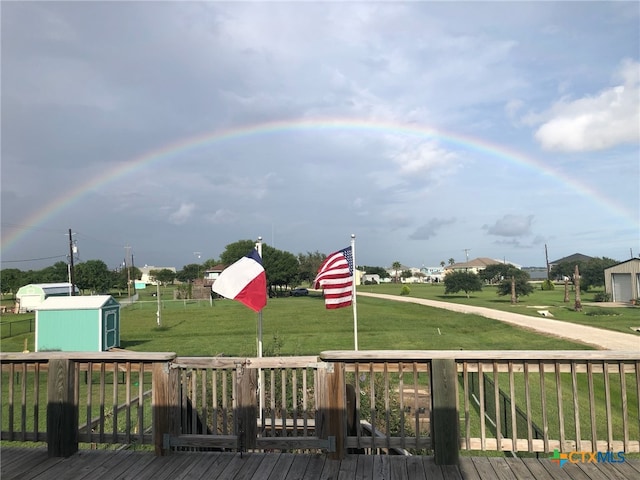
[353,287]
[260,372]
[259,248]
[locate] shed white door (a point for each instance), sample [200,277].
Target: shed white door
[621,287]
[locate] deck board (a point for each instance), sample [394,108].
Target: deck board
[34,464]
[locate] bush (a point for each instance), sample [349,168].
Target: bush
[602,297]
[547,285]
[405,290]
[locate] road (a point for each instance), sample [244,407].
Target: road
[595,337]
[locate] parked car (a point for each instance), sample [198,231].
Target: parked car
[299,292]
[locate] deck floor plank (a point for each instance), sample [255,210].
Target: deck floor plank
[314,467]
[34,464]
[502,468]
[433,471]
[365,468]
[281,466]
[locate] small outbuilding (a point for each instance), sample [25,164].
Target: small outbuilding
[29,297]
[78,324]
[622,281]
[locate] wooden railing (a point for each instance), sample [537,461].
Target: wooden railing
[420,402]
[517,401]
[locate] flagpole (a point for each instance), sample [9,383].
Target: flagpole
[353,286]
[260,372]
[259,248]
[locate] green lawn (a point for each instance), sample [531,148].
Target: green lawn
[301,325]
[621,319]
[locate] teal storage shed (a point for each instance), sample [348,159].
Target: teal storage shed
[78,324]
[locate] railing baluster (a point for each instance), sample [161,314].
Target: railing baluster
[102,396]
[36,400]
[467,413]
[527,399]
[115,383]
[127,427]
[483,425]
[496,401]
[514,417]
[12,379]
[23,404]
[576,406]
[89,382]
[625,414]
[294,400]
[592,407]
[372,405]
[543,402]
[560,406]
[607,397]
[141,402]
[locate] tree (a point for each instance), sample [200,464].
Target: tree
[465,281]
[396,266]
[452,261]
[592,273]
[309,264]
[56,273]
[516,284]
[381,272]
[442,263]
[406,274]
[164,276]
[497,272]
[189,272]
[281,267]
[10,280]
[93,275]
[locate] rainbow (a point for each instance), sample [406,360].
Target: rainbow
[182,146]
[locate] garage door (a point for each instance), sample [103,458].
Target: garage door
[621,287]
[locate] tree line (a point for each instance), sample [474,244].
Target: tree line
[284,270]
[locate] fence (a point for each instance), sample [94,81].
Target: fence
[419,402]
[11,329]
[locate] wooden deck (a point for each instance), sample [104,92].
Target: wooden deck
[34,464]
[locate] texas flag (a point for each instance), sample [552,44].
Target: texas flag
[244,281]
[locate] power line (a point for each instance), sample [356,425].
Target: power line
[33,259]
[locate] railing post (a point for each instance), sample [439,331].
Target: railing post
[332,407]
[62,411]
[444,412]
[165,404]
[246,407]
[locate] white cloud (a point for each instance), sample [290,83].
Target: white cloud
[183,213]
[511,226]
[605,120]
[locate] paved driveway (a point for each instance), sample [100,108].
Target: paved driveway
[596,337]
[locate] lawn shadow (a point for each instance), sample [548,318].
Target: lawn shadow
[131,343]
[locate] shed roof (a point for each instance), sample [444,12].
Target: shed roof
[48,288]
[88,302]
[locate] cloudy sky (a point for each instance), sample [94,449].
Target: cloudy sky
[425,129]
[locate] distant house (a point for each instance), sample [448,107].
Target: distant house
[29,297]
[622,281]
[575,258]
[476,265]
[212,274]
[371,278]
[148,279]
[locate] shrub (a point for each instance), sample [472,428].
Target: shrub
[405,290]
[547,285]
[602,297]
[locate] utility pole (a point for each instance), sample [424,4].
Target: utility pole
[127,262]
[466,253]
[72,277]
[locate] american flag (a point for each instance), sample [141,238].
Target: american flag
[335,276]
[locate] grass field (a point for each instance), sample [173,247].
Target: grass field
[301,325]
